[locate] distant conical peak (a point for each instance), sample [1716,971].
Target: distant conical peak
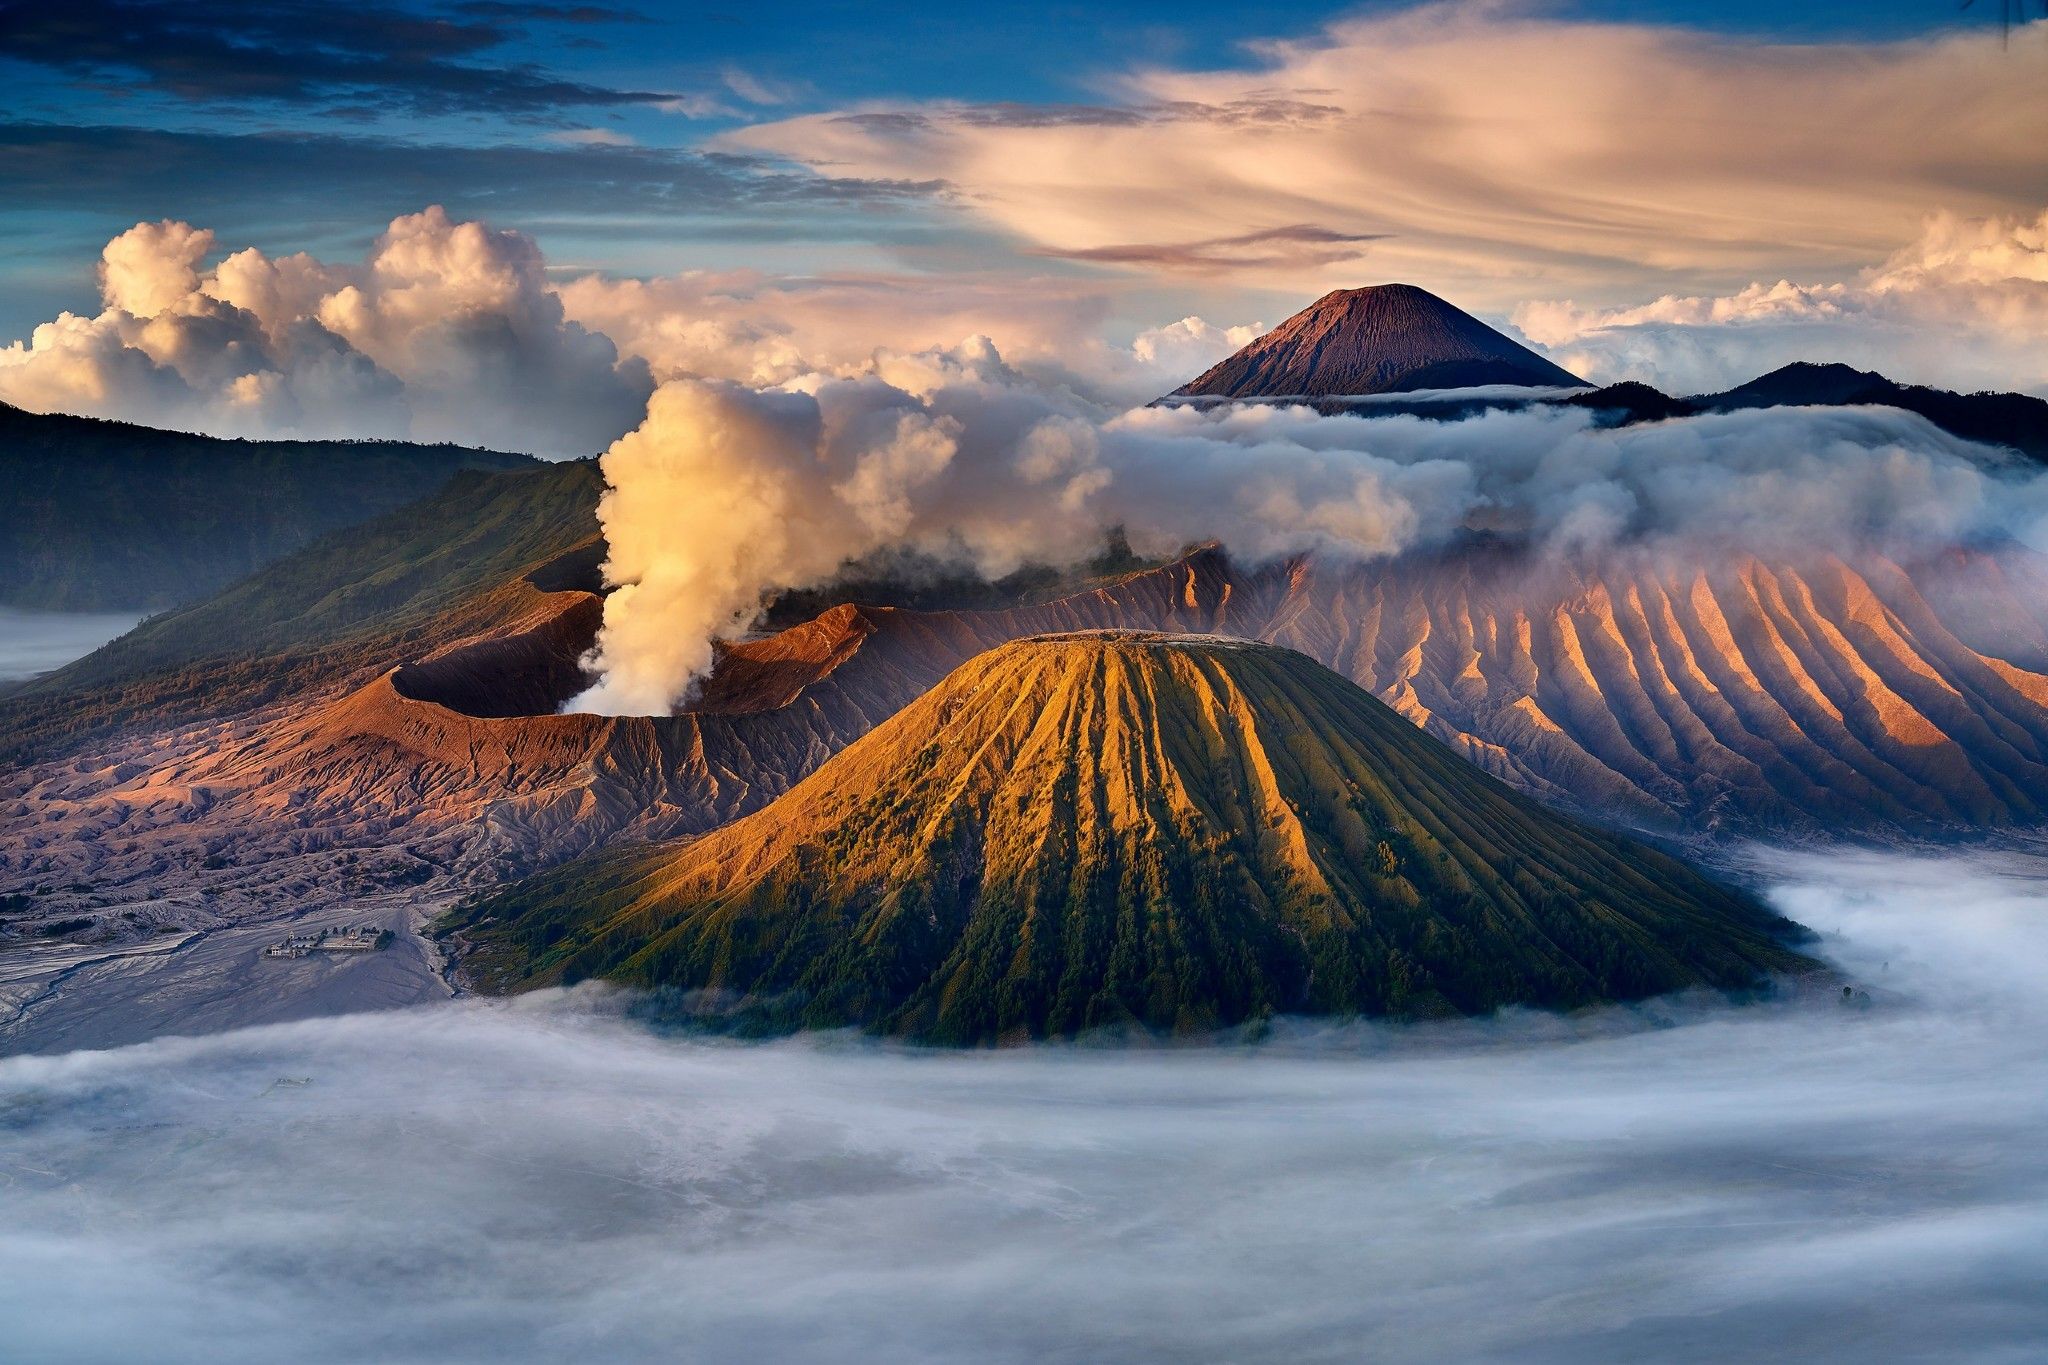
[1385,338]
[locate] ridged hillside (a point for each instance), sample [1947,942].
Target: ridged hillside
[106,514]
[1100,829]
[1751,698]
[1388,338]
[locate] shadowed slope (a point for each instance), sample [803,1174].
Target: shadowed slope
[106,514]
[1389,338]
[1095,829]
[2016,420]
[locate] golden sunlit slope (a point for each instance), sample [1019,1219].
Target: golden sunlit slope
[1102,828]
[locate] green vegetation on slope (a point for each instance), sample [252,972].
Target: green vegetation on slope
[102,515]
[363,598]
[1101,830]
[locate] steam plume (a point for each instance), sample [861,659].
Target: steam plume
[727,494]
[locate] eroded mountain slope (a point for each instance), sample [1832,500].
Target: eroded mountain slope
[1741,697]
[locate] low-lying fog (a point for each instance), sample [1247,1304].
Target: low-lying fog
[545,1181]
[33,642]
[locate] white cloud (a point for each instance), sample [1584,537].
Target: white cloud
[152,266]
[448,331]
[764,330]
[756,89]
[1190,346]
[1964,306]
[697,106]
[453,331]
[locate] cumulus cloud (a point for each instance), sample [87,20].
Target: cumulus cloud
[151,267]
[447,331]
[455,331]
[1964,306]
[728,493]
[1488,153]
[543,1180]
[1190,346]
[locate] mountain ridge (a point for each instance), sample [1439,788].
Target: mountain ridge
[104,514]
[444,568]
[2015,421]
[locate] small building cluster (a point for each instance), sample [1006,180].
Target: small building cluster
[335,938]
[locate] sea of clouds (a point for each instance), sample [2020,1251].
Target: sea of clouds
[546,1180]
[33,642]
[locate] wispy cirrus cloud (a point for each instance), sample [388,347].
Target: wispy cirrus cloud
[1297,246]
[1266,108]
[591,137]
[1496,155]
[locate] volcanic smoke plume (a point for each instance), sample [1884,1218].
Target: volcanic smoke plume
[727,494]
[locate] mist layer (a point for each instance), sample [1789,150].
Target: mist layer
[545,1180]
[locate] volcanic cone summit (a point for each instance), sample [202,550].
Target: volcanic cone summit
[1386,338]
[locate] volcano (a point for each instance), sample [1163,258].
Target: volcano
[1116,828]
[1387,338]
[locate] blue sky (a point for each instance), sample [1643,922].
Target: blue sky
[309,125]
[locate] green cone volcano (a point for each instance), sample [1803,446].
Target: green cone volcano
[1107,828]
